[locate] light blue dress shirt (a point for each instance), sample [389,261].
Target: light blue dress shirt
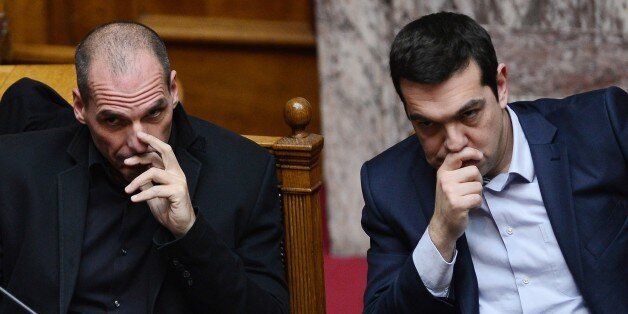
[517,260]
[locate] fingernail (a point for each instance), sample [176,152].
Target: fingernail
[133,198]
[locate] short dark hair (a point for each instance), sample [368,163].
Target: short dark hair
[117,42]
[433,48]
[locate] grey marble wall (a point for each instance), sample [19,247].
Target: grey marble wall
[552,49]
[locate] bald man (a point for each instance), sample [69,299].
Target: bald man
[126,204]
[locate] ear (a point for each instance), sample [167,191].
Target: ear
[79,106]
[502,85]
[174,88]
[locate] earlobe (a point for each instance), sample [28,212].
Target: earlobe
[78,106]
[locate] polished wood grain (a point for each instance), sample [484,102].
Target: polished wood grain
[212,30]
[299,172]
[243,88]
[298,114]
[41,53]
[276,10]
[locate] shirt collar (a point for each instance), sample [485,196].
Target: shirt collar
[521,165]
[94,155]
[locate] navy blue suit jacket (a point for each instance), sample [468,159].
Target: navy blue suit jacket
[579,147]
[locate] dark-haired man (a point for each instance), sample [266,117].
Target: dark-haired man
[494,207]
[136,207]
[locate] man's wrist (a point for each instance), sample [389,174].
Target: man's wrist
[445,243]
[182,232]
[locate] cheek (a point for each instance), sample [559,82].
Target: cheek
[110,141]
[485,135]
[432,145]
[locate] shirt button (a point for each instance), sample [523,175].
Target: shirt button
[526,281]
[175,262]
[123,251]
[186,274]
[509,230]
[116,303]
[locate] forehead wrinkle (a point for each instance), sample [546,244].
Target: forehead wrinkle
[125,106]
[116,98]
[108,89]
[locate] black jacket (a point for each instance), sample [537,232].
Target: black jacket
[232,252]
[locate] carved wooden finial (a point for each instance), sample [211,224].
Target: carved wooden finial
[298,113]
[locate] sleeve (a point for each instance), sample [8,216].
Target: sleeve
[393,283]
[249,279]
[29,105]
[435,272]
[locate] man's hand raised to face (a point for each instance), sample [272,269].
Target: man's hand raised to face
[163,186]
[458,189]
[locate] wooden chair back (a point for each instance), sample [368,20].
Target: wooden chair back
[299,172]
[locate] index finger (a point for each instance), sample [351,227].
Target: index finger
[165,150]
[454,161]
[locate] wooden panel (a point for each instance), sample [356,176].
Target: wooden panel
[28,22]
[61,77]
[203,30]
[71,20]
[287,10]
[68,21]
[244,89]
[41,53]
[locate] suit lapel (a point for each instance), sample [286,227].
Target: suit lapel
[551,165]
[465,283]
[73,193]
[424,177]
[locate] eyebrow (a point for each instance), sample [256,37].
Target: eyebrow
[158,104]
[469,105]
[106,113]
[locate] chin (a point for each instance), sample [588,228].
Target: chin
[130,173]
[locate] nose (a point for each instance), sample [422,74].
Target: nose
[133,142]
[455,139]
